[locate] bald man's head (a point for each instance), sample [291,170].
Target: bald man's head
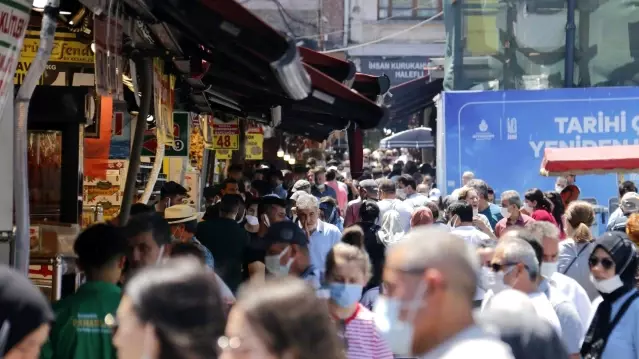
[432,248]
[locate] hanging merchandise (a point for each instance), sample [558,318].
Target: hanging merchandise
[163,98]
[107,32]
[16,14]
[206,127]
[254,147]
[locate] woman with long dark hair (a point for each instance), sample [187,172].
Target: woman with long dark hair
[613,330]
[538,206]
[558,210]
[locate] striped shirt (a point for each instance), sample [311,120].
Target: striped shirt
[361,337]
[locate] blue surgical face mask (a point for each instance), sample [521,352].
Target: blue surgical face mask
[345,295]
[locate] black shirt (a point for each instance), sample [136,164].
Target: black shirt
[255,251]
[376,252]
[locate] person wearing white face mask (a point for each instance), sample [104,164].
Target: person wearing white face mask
[549,235]
[425,310]
[613,331]
[287,253]
[515,266]
[511,211]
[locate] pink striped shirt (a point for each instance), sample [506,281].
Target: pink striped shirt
[362,338]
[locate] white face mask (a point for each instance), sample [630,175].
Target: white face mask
[607,285]
[558,189]
[527,208]
[400,193]
[548,269]
[252,220]
[495,280]
[272,264]
[504,212]
[397,333]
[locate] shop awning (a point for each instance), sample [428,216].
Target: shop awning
[420,137]
[590,160]
[373,87]
[339,70]
[413,96]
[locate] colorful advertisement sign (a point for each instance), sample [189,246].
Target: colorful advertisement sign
[181,135]
[254,146]
[501,135]
[223,154]
[226,135]
[14,17]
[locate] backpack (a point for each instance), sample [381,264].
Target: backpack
[391,230]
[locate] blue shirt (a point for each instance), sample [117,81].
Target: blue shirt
[328,192]
[322,240]
[208,256]
[572,330]
[311,276]
[623,342]
[493,213]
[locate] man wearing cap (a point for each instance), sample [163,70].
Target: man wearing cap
[288,253]
[302,185]
[320,189]
[183,221]
[629,205]
[171,194]
[368,189]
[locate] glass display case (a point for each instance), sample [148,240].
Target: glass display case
[45,175]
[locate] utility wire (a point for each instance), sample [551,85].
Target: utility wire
[390,36]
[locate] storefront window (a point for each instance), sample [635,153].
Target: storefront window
[408,9]
[44,161]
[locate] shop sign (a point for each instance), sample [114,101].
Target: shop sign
[398,69]
[181,133]
[254,143]
[67,52]
[226,135]
[223,154]
[14,19]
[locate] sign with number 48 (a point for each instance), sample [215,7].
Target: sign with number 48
[226,135]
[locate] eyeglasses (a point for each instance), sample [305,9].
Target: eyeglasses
[496,267]
[606,263]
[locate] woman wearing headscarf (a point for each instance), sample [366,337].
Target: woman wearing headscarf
[614,330]
[25,316]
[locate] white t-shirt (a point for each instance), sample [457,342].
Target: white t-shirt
[405,212]
[470,234]
[542,305]
[576,294]
[472,342]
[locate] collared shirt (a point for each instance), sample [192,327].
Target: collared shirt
[416,200]
[540,302]
[79,330]
[470,234]
[208,257]
[352,212]
[623,342]
[618,213]
[504,223]
[572,329]
[472,342]
[576,294]
[311,276]
[322,240]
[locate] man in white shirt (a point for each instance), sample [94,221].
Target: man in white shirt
[388,200]
[406,184]
[549,235]
[515,265]
[425,309]
[461,213]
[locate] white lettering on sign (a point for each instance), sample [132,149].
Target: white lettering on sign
[575,127]
[398,69]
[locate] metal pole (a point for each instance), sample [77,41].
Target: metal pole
[21,114]
[458,45]
[569,65]
[146,78]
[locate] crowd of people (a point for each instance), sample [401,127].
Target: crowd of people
[307,264]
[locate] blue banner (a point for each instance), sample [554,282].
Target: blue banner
[501,135]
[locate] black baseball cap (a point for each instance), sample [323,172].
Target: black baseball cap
[285,232]
[173,188]
[272,199]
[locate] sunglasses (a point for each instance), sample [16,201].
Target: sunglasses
[606,263]
[496,267]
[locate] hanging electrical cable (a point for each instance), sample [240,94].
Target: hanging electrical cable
[20,165]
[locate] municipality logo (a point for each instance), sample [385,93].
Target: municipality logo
[511,128]
[483,134]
